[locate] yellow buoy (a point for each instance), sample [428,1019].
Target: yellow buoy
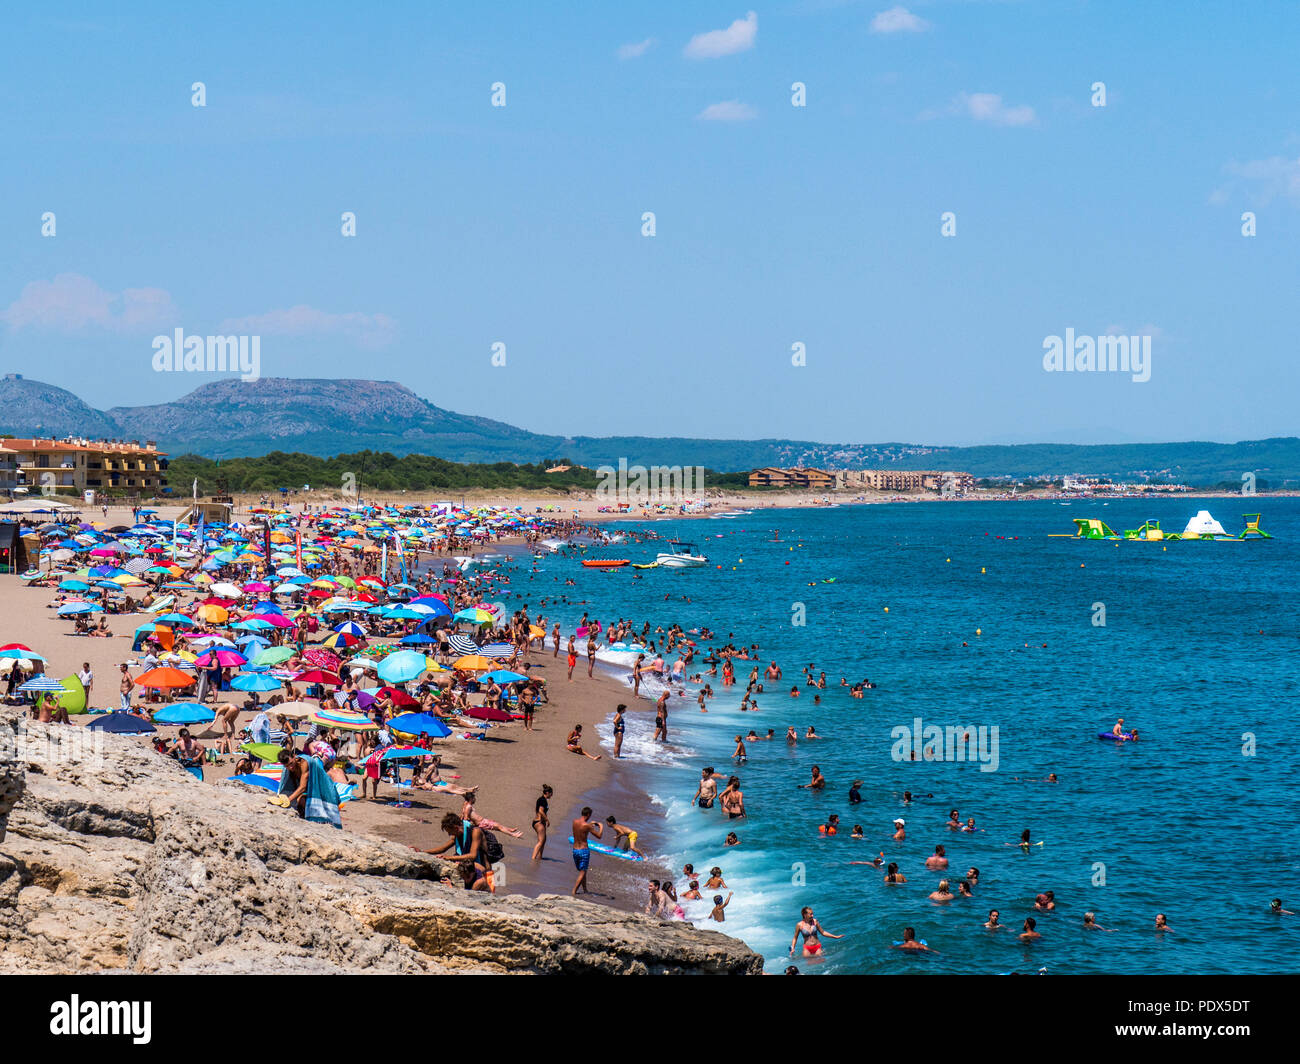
[981,568]
[979,631]
[947,559]
[886,609]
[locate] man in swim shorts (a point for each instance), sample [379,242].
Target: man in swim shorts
[582,827]
[707,791]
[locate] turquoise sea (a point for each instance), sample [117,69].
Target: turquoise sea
[968,614]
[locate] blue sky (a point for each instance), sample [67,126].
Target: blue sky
[774,224]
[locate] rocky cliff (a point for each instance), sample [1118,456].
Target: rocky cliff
[117,859]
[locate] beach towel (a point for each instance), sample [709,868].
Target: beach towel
[322,794]
[260,729]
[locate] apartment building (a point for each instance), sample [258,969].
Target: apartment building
[73,465]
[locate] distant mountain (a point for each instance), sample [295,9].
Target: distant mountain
[30,408]
[231,418]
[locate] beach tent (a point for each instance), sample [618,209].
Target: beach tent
[14,556]
[75,700]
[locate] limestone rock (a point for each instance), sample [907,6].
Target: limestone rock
[116,858]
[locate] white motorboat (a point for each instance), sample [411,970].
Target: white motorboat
[686,556]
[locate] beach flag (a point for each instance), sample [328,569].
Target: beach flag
[383,562]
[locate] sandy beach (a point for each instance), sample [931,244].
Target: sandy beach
[509,768]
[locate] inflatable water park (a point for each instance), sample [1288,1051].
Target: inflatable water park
[1200,527]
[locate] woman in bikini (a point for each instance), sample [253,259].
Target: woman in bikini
[809,927]
[541,820]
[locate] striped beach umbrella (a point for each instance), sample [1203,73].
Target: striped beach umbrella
[44,683]
[462,644]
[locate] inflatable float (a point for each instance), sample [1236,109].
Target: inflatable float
[1126,737]
[609,851]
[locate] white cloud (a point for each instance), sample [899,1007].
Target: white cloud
[72,303]
[898,20]
[728,111]
[738,37]
[989,107]
[368,330]
[635,51]
[1266,178]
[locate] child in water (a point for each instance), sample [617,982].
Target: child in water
[718,906]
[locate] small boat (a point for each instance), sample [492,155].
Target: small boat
[604,563]
[647,565]
[686,556]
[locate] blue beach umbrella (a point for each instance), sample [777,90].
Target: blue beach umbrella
[403,666]
[255,682]
[185,713]
[419,724]
[118,723]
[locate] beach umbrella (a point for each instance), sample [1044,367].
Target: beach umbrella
[403,666]
[418,639]
[474,615]
[462,644]
[250,681]
[212,614]
[262,751]
[18,651]
[119,723]
[342,718]
[220,656]
[43,683]
[503,676]
[397,753]
[312,676]
[73,609]
[419,724]
[184,713]
[341,639]
[279,620]
[350,628]
[165,676]
[472,663]
[487,713]
[292,710]
[497,650]
[274,656]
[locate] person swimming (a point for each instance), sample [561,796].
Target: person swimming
[992,923]
[1029,934]
[910,942]
[893,876]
